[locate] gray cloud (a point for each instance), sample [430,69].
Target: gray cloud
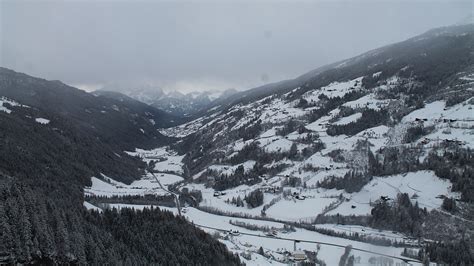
[209,45]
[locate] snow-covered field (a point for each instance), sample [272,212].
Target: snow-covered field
[367,231]
[108,187]
[335,89]
[423,187]
[348,119]
[275,247]
[368,101]
[299,210]
[230,169]
[451,123]
[165,160]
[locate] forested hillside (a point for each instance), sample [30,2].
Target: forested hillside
[53,139]
[43,230]
[125,125]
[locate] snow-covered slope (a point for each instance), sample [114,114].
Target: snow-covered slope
[388,134]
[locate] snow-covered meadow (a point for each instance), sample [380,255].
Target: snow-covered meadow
[276,249]
[306,201]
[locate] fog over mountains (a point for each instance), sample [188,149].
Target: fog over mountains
[173,102]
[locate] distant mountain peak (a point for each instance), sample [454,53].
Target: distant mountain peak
[174,101]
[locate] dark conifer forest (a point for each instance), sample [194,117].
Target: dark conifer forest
[43,171]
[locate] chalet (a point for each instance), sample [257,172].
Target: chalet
[271,190]
[218,193]
[299,255]
[234,233]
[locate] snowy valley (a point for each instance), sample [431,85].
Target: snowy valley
[366,161]
[358,170]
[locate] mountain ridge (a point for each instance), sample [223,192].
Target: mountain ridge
[173,102]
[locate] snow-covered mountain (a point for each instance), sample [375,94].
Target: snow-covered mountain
[362,162]
[173,102]
[374,152]
[190,103]
[53,138]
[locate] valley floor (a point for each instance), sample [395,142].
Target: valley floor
[276,248]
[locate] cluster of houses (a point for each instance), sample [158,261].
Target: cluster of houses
[378,104]
[455,141]
[273,190]
[297,255]
[218,193]
[443,120]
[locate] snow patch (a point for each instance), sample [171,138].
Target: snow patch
[89,206]
[5,100]
[368,101]
[348,119]
[43,121]
[280,145]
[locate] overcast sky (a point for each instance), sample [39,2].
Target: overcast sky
[203,45]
